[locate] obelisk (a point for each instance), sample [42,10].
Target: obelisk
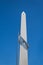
[23,58]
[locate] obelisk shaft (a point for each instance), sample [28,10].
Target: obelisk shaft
[23,59]
[23,26]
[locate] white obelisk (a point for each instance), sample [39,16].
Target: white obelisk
[23,58]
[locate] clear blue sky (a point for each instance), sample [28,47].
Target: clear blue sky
[10,11]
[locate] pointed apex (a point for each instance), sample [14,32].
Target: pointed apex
[23,13]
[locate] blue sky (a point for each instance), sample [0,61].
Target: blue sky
[10,11]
